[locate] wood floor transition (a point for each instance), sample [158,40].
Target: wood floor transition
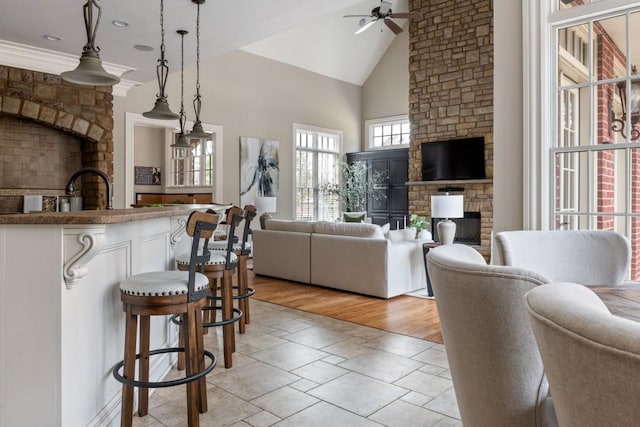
[411,316]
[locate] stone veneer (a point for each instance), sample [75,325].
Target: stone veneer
[83,111]
[451,95]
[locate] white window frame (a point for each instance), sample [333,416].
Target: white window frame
[539,121]
[315,129]
[392,120]
[189,159]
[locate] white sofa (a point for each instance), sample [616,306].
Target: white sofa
[353,257]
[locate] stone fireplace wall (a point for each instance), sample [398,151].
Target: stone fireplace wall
[451,96]
[36,99]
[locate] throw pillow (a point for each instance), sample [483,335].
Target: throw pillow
[385,228]
[408,233]
[354,216]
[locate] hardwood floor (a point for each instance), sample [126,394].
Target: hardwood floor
[415,317]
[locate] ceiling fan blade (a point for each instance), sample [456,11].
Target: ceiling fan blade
[405,15]
[365,27]
[356,16]
[392,26]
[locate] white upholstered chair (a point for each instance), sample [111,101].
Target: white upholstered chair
[495,365]
[592,358]
[589,257]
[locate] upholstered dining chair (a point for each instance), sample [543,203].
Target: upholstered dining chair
[495,366]
[592,358]
[589,257]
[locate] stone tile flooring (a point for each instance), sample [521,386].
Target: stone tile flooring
[294,368]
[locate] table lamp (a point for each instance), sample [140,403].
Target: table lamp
[446,206]
[266,205]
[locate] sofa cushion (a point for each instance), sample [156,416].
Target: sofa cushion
[284,225]
[349,229]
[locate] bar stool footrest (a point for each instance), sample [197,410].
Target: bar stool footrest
[171,383]
[175,319]
[250,292]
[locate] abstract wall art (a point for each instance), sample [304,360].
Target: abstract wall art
[259,169]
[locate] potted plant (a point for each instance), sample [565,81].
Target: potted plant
[421,225]
[356,187]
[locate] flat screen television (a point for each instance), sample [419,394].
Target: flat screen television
[455,159]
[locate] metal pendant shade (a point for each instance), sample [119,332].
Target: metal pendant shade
[90,71]
[161,108]
[182,142]
[198,131]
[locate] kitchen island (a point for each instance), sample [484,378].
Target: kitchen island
[61,319]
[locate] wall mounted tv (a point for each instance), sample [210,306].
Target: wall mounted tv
[454,159]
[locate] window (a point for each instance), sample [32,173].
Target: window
[390,132]
[195,167]
[591,149]
[317,166]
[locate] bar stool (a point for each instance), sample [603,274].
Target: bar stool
[243,252]
[164,293]
[220,267]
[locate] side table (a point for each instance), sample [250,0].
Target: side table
[425,250]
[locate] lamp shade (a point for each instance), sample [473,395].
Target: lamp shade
[266,204]
[447,206]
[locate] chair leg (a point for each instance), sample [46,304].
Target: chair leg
[181,343]
[191,350]
[228,332]
[129,368]
[202,382]
[243,288]
[143,392]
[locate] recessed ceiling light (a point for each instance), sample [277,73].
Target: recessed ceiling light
[120,23]
[51,38]
[143,47]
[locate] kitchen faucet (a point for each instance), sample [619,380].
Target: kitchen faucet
[70,188]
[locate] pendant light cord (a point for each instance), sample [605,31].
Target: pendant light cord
[182,115]
[198,51]
[162,30]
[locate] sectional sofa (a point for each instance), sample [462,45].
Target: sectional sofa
[355,257]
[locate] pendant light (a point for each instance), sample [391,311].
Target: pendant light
[89,71]
[197,131]
[161,108]
[182,143]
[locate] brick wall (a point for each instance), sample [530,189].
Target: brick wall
[42,99]
[451,94]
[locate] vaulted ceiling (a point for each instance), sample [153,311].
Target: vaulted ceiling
[309,34]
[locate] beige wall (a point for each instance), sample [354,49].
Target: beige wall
[508,132]
[148,151]
[252,96]
[386,91]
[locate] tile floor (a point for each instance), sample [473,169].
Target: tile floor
[294,368]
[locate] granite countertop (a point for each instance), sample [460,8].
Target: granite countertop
[114,216]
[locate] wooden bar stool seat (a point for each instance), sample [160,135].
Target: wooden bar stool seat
[164,293]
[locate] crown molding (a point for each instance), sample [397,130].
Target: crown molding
[52,62]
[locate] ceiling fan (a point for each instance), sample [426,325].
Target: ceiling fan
[385,13]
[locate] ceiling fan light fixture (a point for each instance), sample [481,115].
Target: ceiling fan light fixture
[385,13]
[90,71]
